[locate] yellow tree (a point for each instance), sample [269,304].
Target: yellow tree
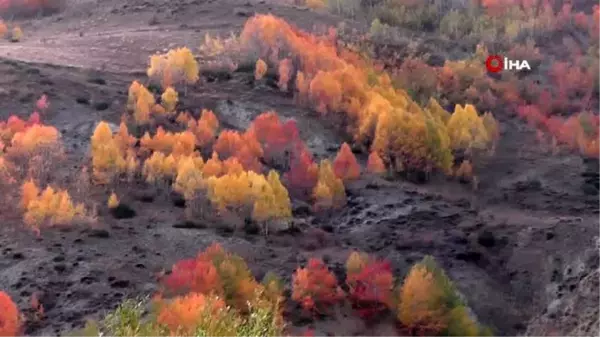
[335,186]
[260,69]
[283,207]
[169,100]
[466,129]
[189,178]
[421,306]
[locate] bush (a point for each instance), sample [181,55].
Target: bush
[315,287]
[10,318]
[174,67]
[345,165]
[260,69]
[370,283]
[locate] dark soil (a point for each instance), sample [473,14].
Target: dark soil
[508,245]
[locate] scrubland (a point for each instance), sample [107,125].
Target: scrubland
[313,167]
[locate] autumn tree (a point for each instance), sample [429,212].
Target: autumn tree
[375,164]
[10,317]
[174,67]
[159,167]
[245,147]
[278,139]
[108,159]
[140,101]
[329,191]
[213,166]
[169,100]
[271,199]
[370,283]
[205,129]
[183,315]
[260,69]
[467,130]
[315,287]
[190,179]
[113,201]
[345,165]
[303,175]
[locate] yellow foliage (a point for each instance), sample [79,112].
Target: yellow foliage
[420,302]
[112,156]
[35,137]
[260,69]
[141,101]
[169,99]
[29,191]
[159,167]
[113,201]
[329,191]
[177,65]
[189,177]
[271,198]
[232,166]
[315,4]
[233,190]
[49,207]
[17,34]
[466,129]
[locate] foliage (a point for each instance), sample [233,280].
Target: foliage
[3,29]
[159,167]
[271,199]
[112,155]
[329,191]
[315,287]
[34,138]
[169,100]
[113,201]
[176,66]
[260,69]
[303,174]
[140,101]
[467,130]
[278,139]
[205,129]
[190,179]
[16,34]
[178,143]
[10,318]
[213,167]
[49,207]
[370,283]
[245,147]
[375,164]
[345,165]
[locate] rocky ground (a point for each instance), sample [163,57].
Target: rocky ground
[522,248]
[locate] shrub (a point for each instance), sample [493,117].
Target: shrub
[303,175]
[467,130]
[10,318]
[109,159]
[277,139]
[159,167]
[169,100]
[185,314]
[315,287]
[177,144]
[329,191]
[345,165]
[205,129]
[113,201]
[375,164]
[16,34]
[260,69]
[245,147]
[48,208]
[174,67]
[141,102]
[370,283]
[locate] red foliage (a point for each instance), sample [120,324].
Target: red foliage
[315,287]
[194,275]
[275,137]
[371,288]
[302,177]
[10,321]
[375,164]
[345,165]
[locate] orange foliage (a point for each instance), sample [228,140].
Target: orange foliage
[141,101]
[34,138]
[215,272]
[183,314]
[375,163]
[260,69]
[244,147]
[178,144]
[213,166]
[205,129]
[10,318]
[345,165]
[276,138]
[333,81]
[315,287]
[285,74]
[175,66]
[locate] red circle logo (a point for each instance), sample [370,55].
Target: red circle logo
[494,63]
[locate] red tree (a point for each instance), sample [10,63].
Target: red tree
[345,165]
